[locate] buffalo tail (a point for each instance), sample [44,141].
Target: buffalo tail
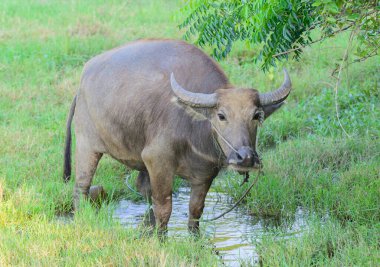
[67,152]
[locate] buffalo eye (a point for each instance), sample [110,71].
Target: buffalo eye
[222,117]
[256,116]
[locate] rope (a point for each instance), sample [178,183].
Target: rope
[224,139]
[238,202]
[127,177]
[245,180]
[222,214]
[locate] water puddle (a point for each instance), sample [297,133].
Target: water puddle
[232,235]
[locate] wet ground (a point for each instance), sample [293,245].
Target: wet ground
[233,235]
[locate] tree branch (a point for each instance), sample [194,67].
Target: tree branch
[344,59]
[316,41]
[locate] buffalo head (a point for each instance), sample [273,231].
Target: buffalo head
[235,114]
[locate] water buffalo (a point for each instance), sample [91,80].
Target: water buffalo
[165,108]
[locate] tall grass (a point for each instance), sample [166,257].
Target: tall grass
[325,244]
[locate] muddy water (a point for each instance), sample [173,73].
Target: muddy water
[232,235]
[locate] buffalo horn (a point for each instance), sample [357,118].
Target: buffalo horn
[192,99]
[280,94]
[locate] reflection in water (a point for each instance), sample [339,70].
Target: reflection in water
[232,234]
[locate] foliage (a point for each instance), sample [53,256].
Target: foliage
[279,27]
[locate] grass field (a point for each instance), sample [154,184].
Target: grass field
[308,160]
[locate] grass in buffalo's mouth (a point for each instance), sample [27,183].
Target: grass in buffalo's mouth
[307,160]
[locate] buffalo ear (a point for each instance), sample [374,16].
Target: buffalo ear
[269,109]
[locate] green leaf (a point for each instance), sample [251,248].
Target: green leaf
[332,8]
[353,16]
[245,12]
[331,20]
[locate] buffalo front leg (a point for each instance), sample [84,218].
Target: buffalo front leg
[196,205]
[161,173]
[86,162]
[162,200]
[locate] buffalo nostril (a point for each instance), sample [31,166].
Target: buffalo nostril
[245,157]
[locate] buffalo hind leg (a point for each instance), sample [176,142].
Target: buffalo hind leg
[196,205]
[143,185]
[86,162]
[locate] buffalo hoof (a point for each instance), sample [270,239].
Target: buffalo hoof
[97,194]
[149,220]
[147,226]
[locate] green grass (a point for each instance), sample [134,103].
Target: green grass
[327,244]
[308,161]
[92,239]
[43,46]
